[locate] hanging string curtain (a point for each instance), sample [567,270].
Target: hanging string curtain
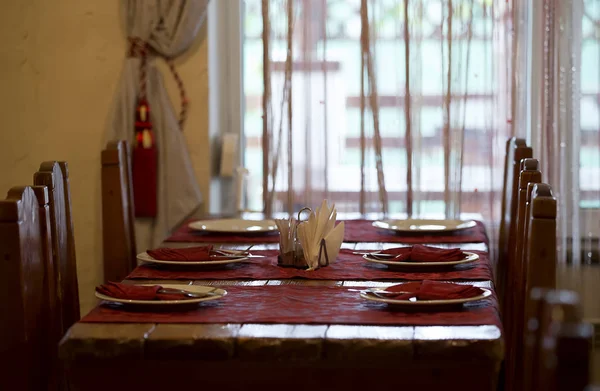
[368,71]
[367,130]
[565,137]
[165,186]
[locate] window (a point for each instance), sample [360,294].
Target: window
[589,171]
[342,64]
[342,54]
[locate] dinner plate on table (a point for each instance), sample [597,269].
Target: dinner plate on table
[373,294]
[219,260]
[238,226]
[424,225]
[208,293]
[381,259]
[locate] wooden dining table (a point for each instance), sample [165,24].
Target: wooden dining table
[269,355]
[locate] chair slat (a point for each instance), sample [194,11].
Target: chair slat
[118,235]
[516,150]
[55,178]
[514,303]
[23,337]
[73,282]
[539,257]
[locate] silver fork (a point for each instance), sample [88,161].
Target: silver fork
[196,295]
[381,256]
[233,252]
[379,292]
[375,253]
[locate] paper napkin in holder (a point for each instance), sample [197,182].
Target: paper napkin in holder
[312,243]
[290,251]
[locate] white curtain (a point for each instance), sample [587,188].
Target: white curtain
[387,107]
[557,102]
[169,27]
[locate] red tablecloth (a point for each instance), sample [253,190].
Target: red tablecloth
[355,231]
[348,266]
[294,304]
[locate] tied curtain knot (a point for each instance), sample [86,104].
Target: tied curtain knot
[141,49]
[145,153]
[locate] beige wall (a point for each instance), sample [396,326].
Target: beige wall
[59,64]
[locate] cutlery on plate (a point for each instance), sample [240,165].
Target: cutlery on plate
[376,254]
[387,294]
[235,256]
[383,293]
[380,256]
[195,295]
[233,252]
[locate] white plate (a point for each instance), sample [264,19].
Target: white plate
[144,257]
[419,225]
[470,257]
[423,303]
[191,288]
[233,226]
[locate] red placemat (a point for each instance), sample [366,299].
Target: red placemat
[363,231]
[294,304]
[355,231]
[348,266]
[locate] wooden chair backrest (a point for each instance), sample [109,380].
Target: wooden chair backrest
[55,176]
[51,276]
[528,173]
[528,177]
[516,150]
[118,235]
[558,343]
[540,251]
[514,300]
[539,267]
[24,305]
[54,329]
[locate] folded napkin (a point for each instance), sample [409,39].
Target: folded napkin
[136,292]
[192,254]
[433,290]
[420,253]
[320,229]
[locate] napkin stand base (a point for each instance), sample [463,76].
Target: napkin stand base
[296,259]
[291,259]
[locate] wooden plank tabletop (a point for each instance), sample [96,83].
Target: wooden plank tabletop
[430,350]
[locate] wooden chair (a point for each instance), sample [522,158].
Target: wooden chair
[516,150]
[25,277]
[558,343]
[51,282]
[39,270]
[118,235]
[533,337]
[537,269]
[572,352]
[514,302]
[540,247]
[55,176]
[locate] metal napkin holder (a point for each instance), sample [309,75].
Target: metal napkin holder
[295,258]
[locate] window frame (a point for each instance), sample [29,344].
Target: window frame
[226,96]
